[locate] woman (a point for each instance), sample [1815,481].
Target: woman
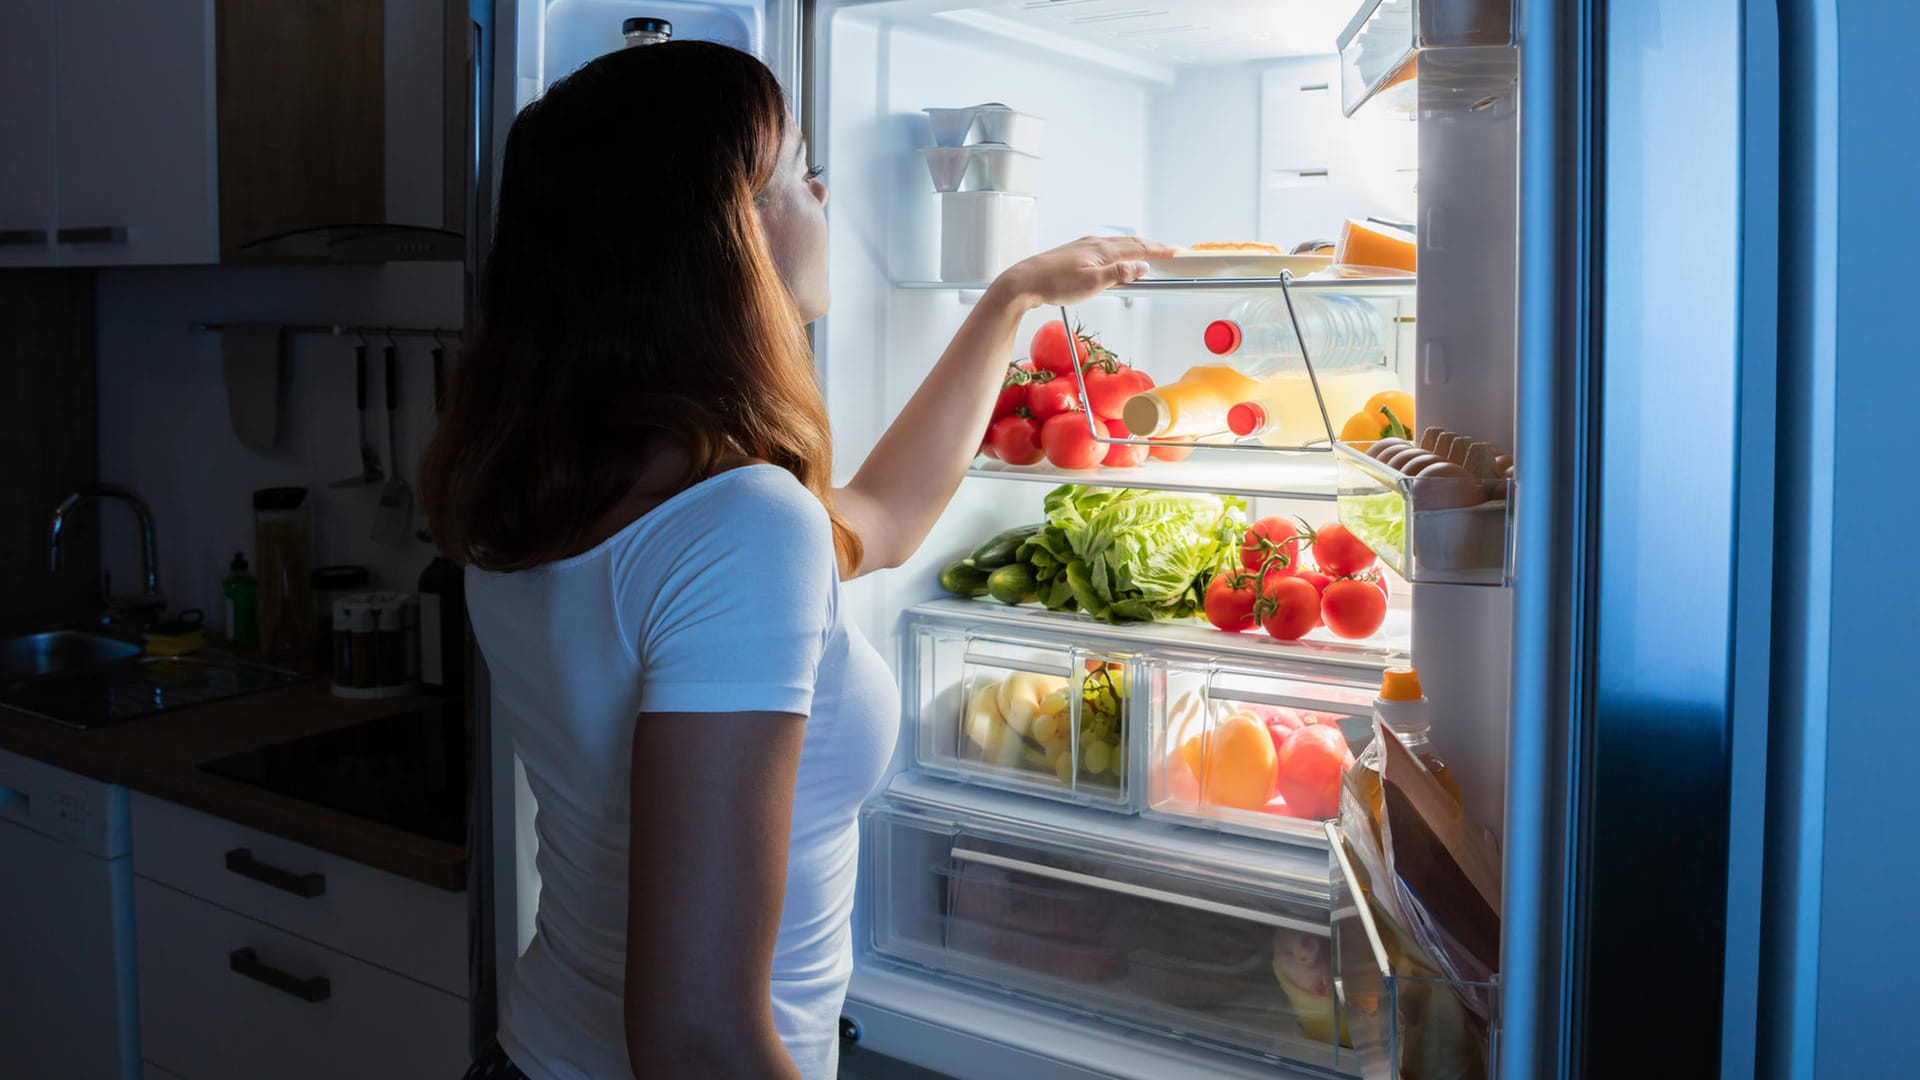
[635,467]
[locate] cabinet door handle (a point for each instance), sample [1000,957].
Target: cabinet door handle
[309,885]
[93,234]
[22,237]
[247,962]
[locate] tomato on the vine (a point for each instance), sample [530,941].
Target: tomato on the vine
[1013,388]
[1268,537]
[1122,455]
[1016,440]
[1046,400]
[1051,352]
[1173,448]
[1353,608]
[1291,606]
[1068,443]
[1229,601]
[1108,390]
[1319,581]
[1341,553]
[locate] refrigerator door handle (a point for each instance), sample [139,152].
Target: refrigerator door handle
[1144,892]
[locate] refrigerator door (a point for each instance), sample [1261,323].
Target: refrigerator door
[1644,535]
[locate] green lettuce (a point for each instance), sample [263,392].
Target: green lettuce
[1131,555]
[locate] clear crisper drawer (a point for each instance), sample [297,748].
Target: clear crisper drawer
[1043,718]
[1232,748]
[1404,1021]
[1128,937]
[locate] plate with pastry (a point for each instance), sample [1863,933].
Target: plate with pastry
[1236,259]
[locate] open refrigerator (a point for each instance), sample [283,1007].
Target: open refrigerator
[1100,918]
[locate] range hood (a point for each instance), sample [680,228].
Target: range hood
[1380,48]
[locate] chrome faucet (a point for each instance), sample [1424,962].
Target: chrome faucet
[150,601]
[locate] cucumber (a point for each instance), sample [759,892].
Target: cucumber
[999,551]
[1013,583]
[964,579]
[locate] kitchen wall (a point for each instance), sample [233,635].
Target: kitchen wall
[164,428]
[46,438]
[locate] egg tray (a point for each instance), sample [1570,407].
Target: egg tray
[1440,540]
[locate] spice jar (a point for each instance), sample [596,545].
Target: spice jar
[329,584]
[372,650]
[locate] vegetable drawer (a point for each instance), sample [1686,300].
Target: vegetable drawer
[1128,927]
[1250,751]
[1025,714]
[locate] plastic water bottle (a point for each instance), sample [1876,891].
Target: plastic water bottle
[1257,338]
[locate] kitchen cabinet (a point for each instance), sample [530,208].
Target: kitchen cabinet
[27,184]
[180,132]
[133,94]
[260,956]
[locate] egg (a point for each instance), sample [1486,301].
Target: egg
[1382,447]
[1445,485]
[1411,463]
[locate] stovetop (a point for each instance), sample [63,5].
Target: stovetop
[408,770]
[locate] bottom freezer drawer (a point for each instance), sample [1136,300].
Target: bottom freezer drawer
[1118,936]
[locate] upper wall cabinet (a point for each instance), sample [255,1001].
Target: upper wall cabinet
[172,132]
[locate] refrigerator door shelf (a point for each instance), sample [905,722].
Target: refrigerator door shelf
[1137,938]
[1041,717]
[1448,543]
[1399,1023]
[1213,762]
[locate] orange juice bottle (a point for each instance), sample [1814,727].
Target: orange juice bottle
[1402,709]
[1195,405]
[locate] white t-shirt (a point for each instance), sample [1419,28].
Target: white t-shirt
[724,598]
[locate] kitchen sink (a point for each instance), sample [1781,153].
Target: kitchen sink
[81,679]
[51,652]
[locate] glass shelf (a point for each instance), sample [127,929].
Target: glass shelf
[1254,474]
[1367,288]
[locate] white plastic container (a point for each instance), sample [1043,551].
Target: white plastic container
[998,124]
[951,127]
[997,167]
[983,233]
[947,165]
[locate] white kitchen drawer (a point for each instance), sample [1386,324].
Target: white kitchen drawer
[223,997]
[1133,925]
[398,924]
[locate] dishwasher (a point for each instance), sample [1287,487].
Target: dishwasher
[68,997]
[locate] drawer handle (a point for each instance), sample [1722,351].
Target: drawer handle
[1144,892]
[22,237]
[247,962]
[93,234]
[241,861]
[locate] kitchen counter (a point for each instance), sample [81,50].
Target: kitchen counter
[161,754]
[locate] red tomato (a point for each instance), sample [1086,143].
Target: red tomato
[1051,352]
[1341,553]
[1377,578]
[1122,455]
[1015,439]
[986,444]
[1230,606]
[1319,582]
[1270,536]
[1013,389]
[1068,443]
[1295,607]
[1177,448]
[1310,766]
[1046,400]
[1353,608]
[1280,728]
[1108,391]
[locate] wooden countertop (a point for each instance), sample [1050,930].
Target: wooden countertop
[161,754]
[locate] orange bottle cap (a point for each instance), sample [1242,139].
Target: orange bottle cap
[1246,418]
[1400,684]
[1222,336]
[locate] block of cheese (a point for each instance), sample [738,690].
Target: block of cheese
[1363,243]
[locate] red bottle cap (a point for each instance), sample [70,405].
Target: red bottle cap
[1222,336]
[1247,418]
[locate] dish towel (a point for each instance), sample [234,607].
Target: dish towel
[253,362]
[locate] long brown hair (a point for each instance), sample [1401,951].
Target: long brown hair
[629,294]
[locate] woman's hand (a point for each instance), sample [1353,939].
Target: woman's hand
[1072,273]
